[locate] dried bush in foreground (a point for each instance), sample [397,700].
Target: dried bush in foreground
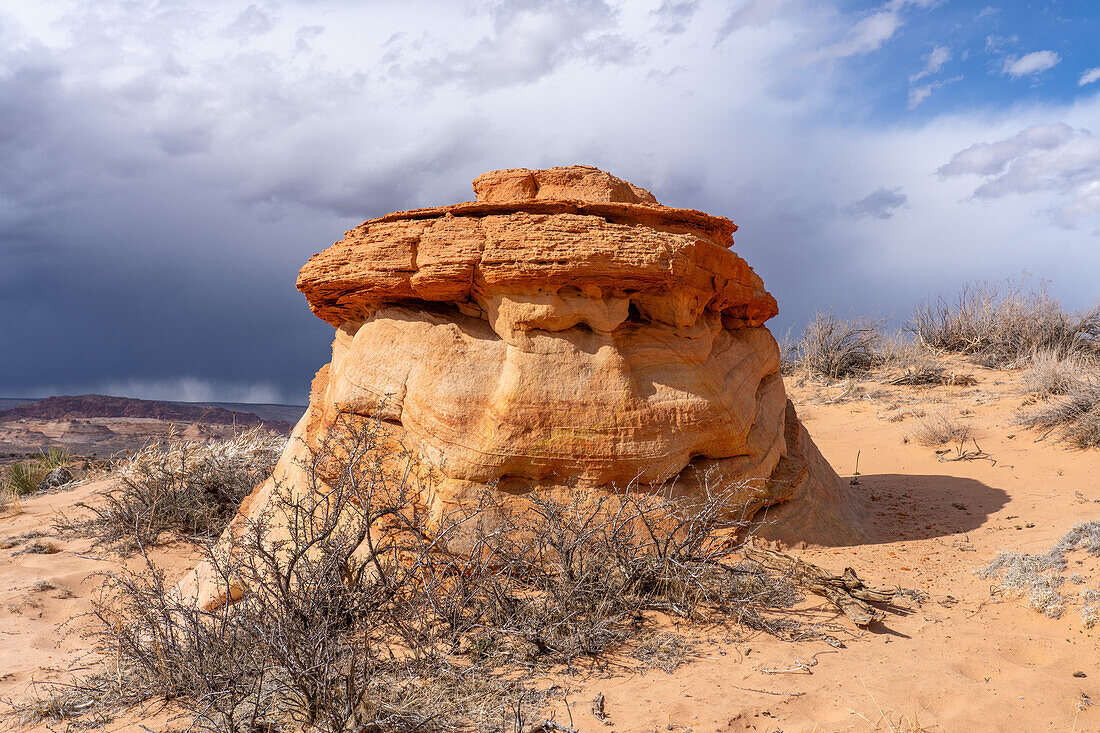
[189,488]
[1002,326]
[355,615]
[939,428]
[1074,419]
[1048,374]
[834,348]
[1040,577]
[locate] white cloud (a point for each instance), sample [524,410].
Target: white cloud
[252,21]
[673,17]
[933,62]
[919,94]
[1089,76]
[753,14]
[1049,158]
[1033,63]
[527,41]
[866,35]
[902,4]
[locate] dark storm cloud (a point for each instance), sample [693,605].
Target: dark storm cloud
[161,181]
[385,185]
[154,227]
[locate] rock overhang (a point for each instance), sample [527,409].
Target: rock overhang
[521,242]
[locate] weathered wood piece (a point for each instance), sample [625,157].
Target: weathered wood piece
[845,591]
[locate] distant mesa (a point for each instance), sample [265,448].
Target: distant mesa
[83,407]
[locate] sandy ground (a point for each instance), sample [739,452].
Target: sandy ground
[962,660]
[45,599]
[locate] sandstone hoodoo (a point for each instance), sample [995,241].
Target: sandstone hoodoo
[565,328]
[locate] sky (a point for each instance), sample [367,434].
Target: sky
[166,166]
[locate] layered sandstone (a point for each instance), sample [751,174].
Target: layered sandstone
[564,328]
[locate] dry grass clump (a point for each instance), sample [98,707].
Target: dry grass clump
[940,428]
[188,488]
[835,348]
[1040,577]
[1002,326]
[898,349]
[1074,419]
[358,613]
[1048,374]
[1090,608]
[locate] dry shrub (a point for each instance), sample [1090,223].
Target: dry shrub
[1048,374]
[939,428]
[835,348]
[358,615]
[923,373]
[1074,419]
[1040,577]
[900,350]
[1090,608]
[191,489]
[789,359]
[1002,326]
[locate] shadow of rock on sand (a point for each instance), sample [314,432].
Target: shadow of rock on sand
[915,507]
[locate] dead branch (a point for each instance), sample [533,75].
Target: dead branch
[846,591]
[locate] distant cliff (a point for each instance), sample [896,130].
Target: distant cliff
[96,405]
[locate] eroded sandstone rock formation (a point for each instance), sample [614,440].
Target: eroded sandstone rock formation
[565,328]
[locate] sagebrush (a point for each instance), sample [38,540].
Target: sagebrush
[1074,418]
[1041,577]
[187,488]
[835,348]
[940,428]
[359,610]
[1005,325]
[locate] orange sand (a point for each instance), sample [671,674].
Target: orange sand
[961,661]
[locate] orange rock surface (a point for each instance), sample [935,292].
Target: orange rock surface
[565,329]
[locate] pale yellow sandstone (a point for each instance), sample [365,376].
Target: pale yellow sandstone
[563,330]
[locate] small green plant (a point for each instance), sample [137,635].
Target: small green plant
[23,478]
[54,457]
